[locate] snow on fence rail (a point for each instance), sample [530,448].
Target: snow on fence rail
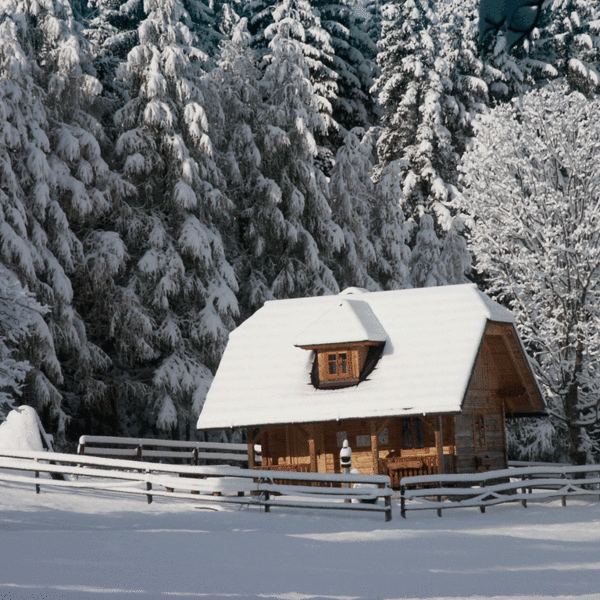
[234,485]
[146,448]
[523,485]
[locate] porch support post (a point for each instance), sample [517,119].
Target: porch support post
[439,444]
[250,436]
[375,446]
[312,449]
[264,444]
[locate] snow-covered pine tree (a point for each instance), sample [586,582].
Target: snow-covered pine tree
[353,197]
[295,223]
[426,267]
[54,184]
[18,310]
[532,187]
[564,43]
[430,88]
[315,44]
[173,226]
[354,62]
[567,44]
[391,231]
[238,144]
[112,28]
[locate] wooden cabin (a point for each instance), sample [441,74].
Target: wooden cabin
[418,381]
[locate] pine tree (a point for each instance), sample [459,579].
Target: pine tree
[353,197]
[315,44]
[172,227]
[567,44]
[298,232]
[353,61]
[18,311]
[54,184]
[238,145]
[392,231]
[427,269]
[563,43]
[432,84]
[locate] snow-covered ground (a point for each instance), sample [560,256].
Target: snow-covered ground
[77,545]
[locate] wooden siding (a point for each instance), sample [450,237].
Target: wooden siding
[483,406]
[291,445]
[474,440]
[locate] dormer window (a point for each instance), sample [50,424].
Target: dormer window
[339,367]
[347,340]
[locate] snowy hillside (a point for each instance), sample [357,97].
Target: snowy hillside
[78,546]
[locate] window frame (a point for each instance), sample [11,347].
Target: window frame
[412,431]
[362,359]
[338,366]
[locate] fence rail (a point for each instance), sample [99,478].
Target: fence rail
[194,453]
[228,484]
[526,484]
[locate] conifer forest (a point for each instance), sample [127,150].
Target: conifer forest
[167,166]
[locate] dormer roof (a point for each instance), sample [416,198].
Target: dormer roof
[346,321]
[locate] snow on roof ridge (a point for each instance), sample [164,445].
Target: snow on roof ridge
[349,291]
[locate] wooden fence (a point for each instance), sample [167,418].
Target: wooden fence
[193,453]
[212,484]
[527,484]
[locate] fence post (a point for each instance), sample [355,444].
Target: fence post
[524,491]
[439,510]
[388,508]
[563,499]
[402,502]
[267,495]
[37,485]
[148,488]
[138,453]
[195,457]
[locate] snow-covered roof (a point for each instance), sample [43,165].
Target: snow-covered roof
[432,339]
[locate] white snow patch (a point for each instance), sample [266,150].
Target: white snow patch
[20,431]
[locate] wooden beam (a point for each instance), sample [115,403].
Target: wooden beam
[375,446]
[264,443]
[439,445]
[251,463]
[503,426]
[312,449]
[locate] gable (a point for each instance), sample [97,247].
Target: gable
[516,383]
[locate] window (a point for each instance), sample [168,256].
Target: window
[413,435]
[338,364]
[343,365]
[479,432]
[337,368]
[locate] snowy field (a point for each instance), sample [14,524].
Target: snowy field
[77,545]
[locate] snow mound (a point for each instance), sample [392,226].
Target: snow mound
[20,431]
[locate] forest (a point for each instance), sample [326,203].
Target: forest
[167,166]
